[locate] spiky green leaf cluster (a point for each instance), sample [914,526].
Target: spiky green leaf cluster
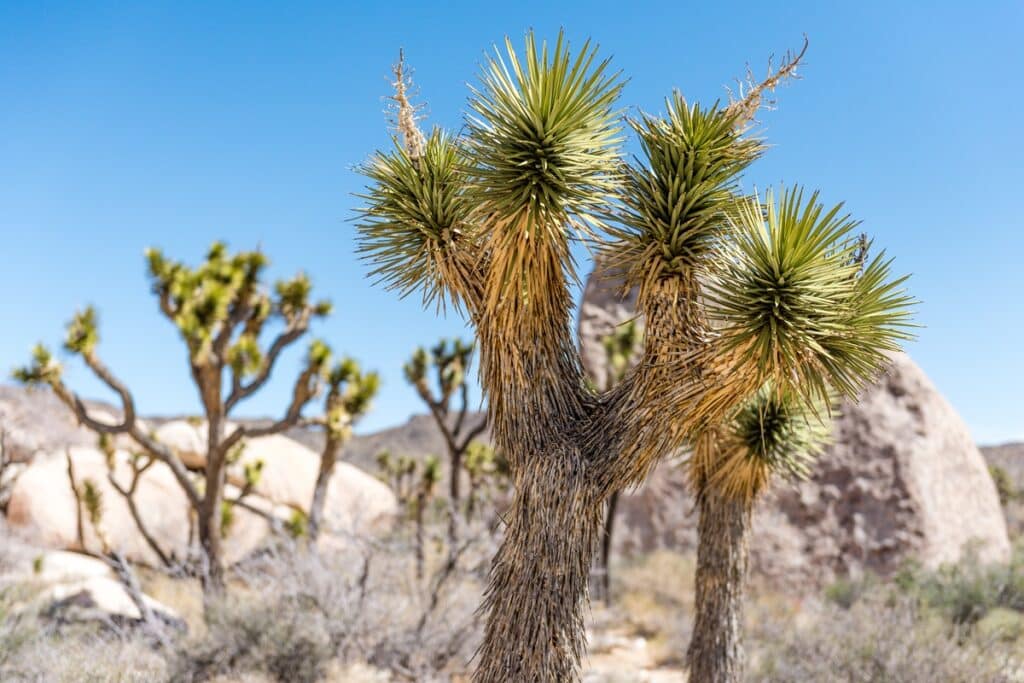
[674,199]
[227,517]
[43,369]
[200,300]
[543,135]
[791,300]
[780,430]
[415,369]
[245,356]
[483,460]
[431,473]
[252,472]
[297,525]
[452,362]
[293,298]
[621,348]
[318,357]
[226,290]
[82,332]
[92,500]
[351,392]
[415,211]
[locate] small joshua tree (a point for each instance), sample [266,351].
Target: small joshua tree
[622,347]
[221,309]
[349,393]
[754,309]
[487,472]
[439,377]
[415,484]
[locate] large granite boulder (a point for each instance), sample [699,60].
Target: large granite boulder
[902,480]
[33,420]
[43,507]
[42,502]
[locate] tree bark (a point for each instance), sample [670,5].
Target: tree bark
[210,509]
[212,571]
[716,651]
[328,459]
[454,496]
[538,584]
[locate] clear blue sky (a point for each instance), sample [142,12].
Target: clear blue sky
[124,125]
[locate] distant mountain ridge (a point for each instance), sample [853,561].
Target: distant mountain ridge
[35,420]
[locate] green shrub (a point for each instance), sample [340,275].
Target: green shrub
[1004,484]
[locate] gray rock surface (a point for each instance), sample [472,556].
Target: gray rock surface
[903,479]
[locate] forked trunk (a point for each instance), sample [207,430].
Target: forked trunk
[538,584]
[716,652]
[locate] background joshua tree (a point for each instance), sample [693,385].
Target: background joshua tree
[622,347]
[221,309]
[414,484]
[348,398]
[754,310]
[439,377]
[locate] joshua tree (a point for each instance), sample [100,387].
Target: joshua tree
[414,484]
[487,472]
[621,347]
[221,309]
[754,309]
[348,398]
[448,365]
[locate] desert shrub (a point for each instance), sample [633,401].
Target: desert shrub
[279,636]
[845,591]
[1004,484]
[656,597]
[293,615]
[32,651]
[964,593]
[876,640]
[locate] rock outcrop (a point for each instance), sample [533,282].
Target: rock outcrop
[903,479]
[42,502]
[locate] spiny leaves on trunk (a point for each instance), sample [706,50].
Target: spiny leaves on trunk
[755,310]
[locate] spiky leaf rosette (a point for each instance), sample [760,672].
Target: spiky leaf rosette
[774,432]
[791,299]
[82,332]
[44,368]
[415,224]
[674,200]
[542,143]
[543,135]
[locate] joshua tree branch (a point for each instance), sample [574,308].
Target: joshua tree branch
[240,390]
[302,394]
[129,498]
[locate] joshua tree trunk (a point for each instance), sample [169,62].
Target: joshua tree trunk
[605,575]
[212,574]
[328,459]
[538,583]
[421,503]
[716,649]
